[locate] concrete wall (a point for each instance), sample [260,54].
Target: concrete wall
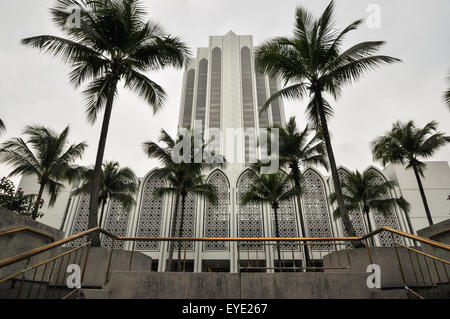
[242,286]
[16,243]
[53,216]
[437,232]
[417,270]
[436,184]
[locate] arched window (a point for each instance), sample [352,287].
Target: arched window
[250,222]
[315,208]
[189,217]
[390,220]
[80,220]
[356,216]
[150,214]
[188,98]
[287,222]
[217,217]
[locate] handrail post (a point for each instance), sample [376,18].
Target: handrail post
[109,261]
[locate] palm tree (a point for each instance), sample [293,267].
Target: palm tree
[406,143]
[45,154]
[182,178]
[116,183]
[272,189]
[312,62]
[446,95]
[300,148]
[113,41]
[2,126]
[363,193]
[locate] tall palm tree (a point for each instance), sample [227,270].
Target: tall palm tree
[2,126]
[363,193]
[312,62]
[182,178]
[300,148]
[113,42]
[45,154]
[446,95]
[406,143]
[116,183]
[272,189]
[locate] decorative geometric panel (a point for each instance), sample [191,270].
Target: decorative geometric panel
[250,222]
[80,221]
[217,217]
[116,223]
[247,103]
[287,222]
[190,209]
[188,98]
[276,113]
[150,215]
[355,215]
[315,208]
[200,107]
[385,238]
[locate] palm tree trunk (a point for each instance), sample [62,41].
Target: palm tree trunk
[337,187]
[277,234]
[422,193]
[101,214]
[93,206]
[38,199]
[180,231]
[296,177]
[369,225]
[172,233]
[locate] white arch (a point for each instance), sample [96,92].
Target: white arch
[316,208]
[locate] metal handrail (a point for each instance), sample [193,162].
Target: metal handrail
[31,253]
[26,228]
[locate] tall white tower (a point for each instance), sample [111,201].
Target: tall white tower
[222,89]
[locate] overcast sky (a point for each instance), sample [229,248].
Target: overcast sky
[34,87]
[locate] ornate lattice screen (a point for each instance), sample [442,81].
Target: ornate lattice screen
[250,222]
[217,217]
[189,218]
[150,214]
[117,223]
[355,215]
[385,238]
[287,222]
[80,221]
[315,208]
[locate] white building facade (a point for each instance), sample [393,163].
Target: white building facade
[221,89]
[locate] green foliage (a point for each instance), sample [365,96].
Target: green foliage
[45,154]
[363,193]
[270,188]
[116,183]
[406,143]
[18,201]
[114,41]
[313,60]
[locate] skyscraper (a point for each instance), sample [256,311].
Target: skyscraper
[222,90]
